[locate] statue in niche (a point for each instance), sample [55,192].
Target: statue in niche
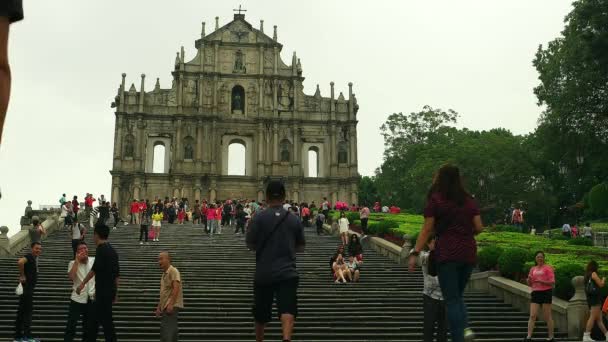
[239,65]
[129,149]
[344,133]
[188,151]
[285,151]
[208,96]
[285,96]
[238,100]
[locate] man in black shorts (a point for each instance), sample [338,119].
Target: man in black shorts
[276,235]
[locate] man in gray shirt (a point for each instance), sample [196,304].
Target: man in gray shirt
[276,236]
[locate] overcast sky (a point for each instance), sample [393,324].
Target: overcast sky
[473,56]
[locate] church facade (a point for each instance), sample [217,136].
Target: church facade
[236,90]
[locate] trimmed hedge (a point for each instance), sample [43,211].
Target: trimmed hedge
[511,262]
[563,279]
[488,258]
[580,241]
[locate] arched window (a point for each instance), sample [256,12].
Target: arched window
[236,158]
[189,148]
[129,146]
[342,153]
[313,162]
[285,150]
[238,100]
[158,161]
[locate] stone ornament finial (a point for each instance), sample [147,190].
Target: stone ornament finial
[350,84]
[578,283]
[157,85]
[217,23]
[203,30]
[274,36]
[4,232]
[262,26]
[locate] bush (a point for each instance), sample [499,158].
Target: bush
[563,279]
[511,262]
[506,228]
[598,199]
[352,216]
[383,227]
[488,257]
[580,241]
[414,238]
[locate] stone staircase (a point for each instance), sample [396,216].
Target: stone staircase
[217,279]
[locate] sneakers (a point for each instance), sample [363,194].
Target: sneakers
[469,335]
[526,339]
[141,243]
[587,337]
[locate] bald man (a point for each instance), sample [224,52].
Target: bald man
[171,299]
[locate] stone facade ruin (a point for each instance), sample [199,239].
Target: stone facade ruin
[237,89]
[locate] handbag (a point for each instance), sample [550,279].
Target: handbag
[591,288]
[151,234]
[605,306]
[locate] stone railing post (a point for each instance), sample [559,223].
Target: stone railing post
[4,241]
[577,309]
[405,249]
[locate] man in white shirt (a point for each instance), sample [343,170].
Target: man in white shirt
[80,304]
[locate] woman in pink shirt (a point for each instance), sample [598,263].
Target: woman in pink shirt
[541,279]
[211,219]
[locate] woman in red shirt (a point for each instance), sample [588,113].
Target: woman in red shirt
[452,216]
[541,279]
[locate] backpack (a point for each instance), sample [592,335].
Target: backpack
[517,216]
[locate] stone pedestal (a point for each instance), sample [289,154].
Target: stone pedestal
[578,311]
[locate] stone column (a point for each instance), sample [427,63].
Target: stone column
[118,136]
[275,142]
[260,96]
[141,137]
[136,189]
[215,86]
[116,190]
[177,152]
[199,140]
[351,111]
[212,190]
[332,104]
[261,61]
[296,152]
[122,106]
[213,146]
[206,142]
[200,92]
[216,59]
[260,141]
[334,197]
[275,69]
[333,162]
[275,106]
[180,92]
[142,93]
[577,309]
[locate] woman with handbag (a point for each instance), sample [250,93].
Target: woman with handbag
[593,283]
[541,279]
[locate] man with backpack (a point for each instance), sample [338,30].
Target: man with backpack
[517,218]
[319,223]
[276,236]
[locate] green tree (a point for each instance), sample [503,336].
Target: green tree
[573,71]
[368,193]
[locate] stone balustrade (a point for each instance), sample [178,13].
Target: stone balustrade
[600,239]
[569,316]
[49,219]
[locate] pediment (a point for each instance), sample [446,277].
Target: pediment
[239,31]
